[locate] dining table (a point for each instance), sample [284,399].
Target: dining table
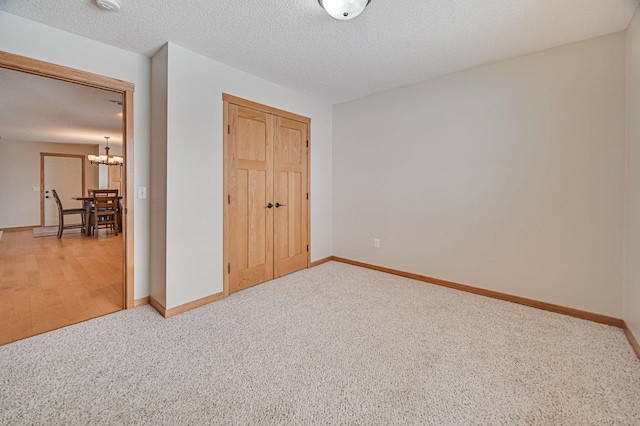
[87,203]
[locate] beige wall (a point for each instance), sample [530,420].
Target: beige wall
[632,206]
[507,177]
[20,172]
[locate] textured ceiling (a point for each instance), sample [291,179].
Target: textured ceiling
[295,43]
[34,108]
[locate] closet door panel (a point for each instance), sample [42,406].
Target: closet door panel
[250,164]
[290,221]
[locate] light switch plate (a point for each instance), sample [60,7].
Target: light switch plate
[36,188]
[142,192]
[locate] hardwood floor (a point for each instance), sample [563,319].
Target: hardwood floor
[48,283]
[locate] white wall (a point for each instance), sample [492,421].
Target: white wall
[632,206]
[507,177]
[20,172]
[194,170]
[31,39]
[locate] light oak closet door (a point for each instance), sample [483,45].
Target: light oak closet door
[290,180]
[250,165]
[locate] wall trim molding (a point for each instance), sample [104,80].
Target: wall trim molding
[168,313]
[193,304]
[265,108]
[577,313]
[20,228]
[141,302]
[321,261]
[632,339]
[157,306]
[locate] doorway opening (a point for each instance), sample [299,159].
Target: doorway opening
[103,264]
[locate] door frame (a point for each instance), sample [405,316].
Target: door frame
[230,99]
[126,89]
[53,154]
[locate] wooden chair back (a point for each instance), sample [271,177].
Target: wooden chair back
[105,212]
[58,202]
[103,192]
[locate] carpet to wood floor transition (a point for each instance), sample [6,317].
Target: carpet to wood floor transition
[334,344]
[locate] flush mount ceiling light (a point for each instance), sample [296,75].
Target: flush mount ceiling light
[109,5]
[344,9]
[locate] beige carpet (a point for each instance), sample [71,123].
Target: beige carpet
[335,344]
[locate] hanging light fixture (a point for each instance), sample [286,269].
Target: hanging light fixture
[109,160]
[344,9]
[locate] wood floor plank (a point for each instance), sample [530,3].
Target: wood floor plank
[48,283]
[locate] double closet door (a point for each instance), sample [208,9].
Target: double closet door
[267,205]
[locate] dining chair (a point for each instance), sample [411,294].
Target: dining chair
[103,192]
[63,212]
[105,213]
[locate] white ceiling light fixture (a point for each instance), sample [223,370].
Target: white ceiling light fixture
[109,5]
[344,9]
[109,160]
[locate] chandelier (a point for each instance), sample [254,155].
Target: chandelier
[109,160]
[344,9]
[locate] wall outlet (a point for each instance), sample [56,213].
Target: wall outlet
[142,192]
[376,243]
[35,188]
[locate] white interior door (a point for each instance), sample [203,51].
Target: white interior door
[64,174]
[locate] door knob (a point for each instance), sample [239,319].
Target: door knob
[280,205]
[270,205]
